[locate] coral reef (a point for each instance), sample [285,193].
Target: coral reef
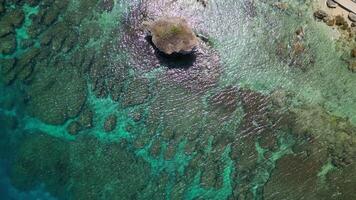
[333,134]
[136,92]
[117,118]
[56,95]
[295,177]
[79,170]
[42,158]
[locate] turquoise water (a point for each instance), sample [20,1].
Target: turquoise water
[90,110]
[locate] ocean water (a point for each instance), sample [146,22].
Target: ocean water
[265,107]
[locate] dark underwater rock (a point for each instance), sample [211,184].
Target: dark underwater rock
[87,165]
[352,66]
[21,68]
[59,37]
[84,10]
[33,3]
[224,103]
[112,166]
[115,86]
[51,15]
[106,75]
[110,123]
[27,58]
[334,136]
[7,65]
[320,14]
[8,78]
[70,41]
[2,7]
[341,22]
[73,128]
[8,44]
[99,88]
[8,136]
[136,93]
[56,95]
[5,29]
[83,122]
[136,116]
[255,107]
[178,109]
[212,172]
[155,148]
[170,151]
[106,5]
[8,122]
[294,177]
[26,43]
[85,118]
[353,52]
[14,17]
[340,184]
[41,158]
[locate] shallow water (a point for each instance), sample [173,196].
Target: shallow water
[89,109]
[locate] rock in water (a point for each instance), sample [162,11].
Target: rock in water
[352,16]
[353,52]
[331,3]
[73,128]
[320,14]
[172,35]
[110,123]
[352,66]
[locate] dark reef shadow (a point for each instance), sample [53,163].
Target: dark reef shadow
[175,60]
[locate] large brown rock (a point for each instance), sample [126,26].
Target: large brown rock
[172,35]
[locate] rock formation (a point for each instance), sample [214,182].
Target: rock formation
[172,35]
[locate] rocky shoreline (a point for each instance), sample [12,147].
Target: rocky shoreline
[338,15]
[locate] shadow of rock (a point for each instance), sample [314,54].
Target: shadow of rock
[175,60]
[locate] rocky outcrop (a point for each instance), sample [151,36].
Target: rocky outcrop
[172,35]
[110,123]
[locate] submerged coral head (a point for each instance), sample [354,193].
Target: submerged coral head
[172,35]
